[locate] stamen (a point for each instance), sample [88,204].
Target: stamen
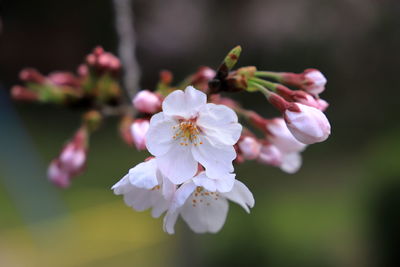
[187,132]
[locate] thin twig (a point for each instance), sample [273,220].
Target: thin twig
[127,44]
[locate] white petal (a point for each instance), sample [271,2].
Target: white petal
[178,164]
[181,195]
[291,163]
[217,160]
[123,186]
[222,184]
[206,216]
[184,104]
[159,137]
[169,221]
[241,195]
[139,199]
[220,124]
[159,206]
[168,188]
[144,175]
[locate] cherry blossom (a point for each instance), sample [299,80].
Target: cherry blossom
[145,187]
[189,131]
[203,203]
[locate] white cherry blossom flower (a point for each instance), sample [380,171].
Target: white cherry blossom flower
[145,187]
[203,203]
[189,131]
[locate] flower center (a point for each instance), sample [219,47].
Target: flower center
[202,197]
[187,133]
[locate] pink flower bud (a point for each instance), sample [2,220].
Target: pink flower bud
[57,175]
[280,136]
[63,78]
[147,102]
[31,75]
[270,155]
[307,124]
[249,147]
[139,129]
[314,81]
[70,162]
[73,157]
[23,94]
[311,80]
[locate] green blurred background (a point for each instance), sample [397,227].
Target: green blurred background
[341,209]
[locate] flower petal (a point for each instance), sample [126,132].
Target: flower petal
[170,221]
[184,104]
[178,164]
[217,160]
[122,186]
[220,124]
[144,175]
[223,184]
[205,217]
[291,162]
[241,195]
[159,137]
[181,195]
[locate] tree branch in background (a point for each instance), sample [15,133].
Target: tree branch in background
[126,48]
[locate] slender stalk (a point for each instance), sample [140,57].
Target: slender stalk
[124,23]
[260,88]
[270,85]
[268,74]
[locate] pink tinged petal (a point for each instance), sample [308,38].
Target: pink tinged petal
[208,216]
[178,164]
[220,124]
[217,160]
[249,147]
[316,81]
[291,163]
[185,104]
[159,137]
[282,138]
[139,130]
[241,195]
[270,155]
[144,175]
[309,125]
[221,184]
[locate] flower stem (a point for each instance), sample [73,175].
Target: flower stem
[269,74]
[270,85]
[260,88]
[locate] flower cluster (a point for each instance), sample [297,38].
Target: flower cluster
[192,131]
[191,174]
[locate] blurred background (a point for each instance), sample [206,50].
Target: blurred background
[342,209]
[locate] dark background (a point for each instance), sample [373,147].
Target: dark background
[341,209]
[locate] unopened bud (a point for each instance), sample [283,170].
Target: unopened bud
[307,124]
[250,147]
[147,102]
[31,75]
[23,94]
